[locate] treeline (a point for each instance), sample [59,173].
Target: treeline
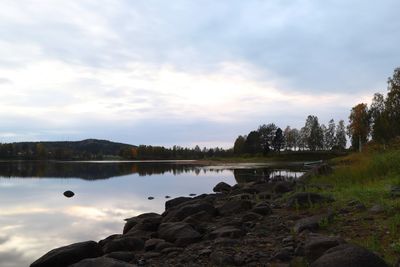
[92,149]
[313,136]
[380,122]
[144,152]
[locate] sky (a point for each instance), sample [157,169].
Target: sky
[187,72]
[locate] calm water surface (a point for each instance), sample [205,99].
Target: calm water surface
[35,216]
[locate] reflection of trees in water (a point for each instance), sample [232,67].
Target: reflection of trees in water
[90,171]
[266,174]
[94,171]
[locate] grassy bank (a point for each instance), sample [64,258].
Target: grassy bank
[284,156]
[366,179]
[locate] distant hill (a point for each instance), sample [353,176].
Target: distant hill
[85,149]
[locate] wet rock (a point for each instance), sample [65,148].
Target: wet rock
[65,256]
[179,233]
[316,245]
[234,207]
[141,234]
[125,256]
[227,231]
[192,194]
[167,197]
[101,262]
[124,243]
[163,245]
[347,255]
[307,199]
[150,198]
[69,194]
[146,222]
[222,187]
[223,241]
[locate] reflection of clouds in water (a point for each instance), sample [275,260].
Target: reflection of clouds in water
[13,258]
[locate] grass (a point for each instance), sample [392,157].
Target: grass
[365,177]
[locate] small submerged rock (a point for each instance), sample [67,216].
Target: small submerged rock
[150,198]
[167,197]
[69,194]
[192,195]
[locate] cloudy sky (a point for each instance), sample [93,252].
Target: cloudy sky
[187,72]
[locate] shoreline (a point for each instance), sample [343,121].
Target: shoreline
[262,223]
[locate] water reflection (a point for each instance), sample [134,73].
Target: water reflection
[35,216]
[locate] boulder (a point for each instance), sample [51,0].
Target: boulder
[65,256]
[69,194]
[126,256]
[222,187]
[102,262]
[316,245]
[146,222]
[227,231]
[377,209]
[307,199]
[234,207]
[311,223]
[182,211]
[262,208]
[222,258]
[176,201]
[283,187]
[151,244]
[124,243]
[348,255]
[179,233]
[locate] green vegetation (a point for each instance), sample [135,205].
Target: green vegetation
[369,178]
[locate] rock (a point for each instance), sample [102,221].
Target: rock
[124,243]
[347,255]
[179,233]
[171,249]
[251,216]
[69,194]
[306,199]
[262,208]
[221,258]
[65,256]
[145,221]
[140,234]
[175,202]
[316,245]
[163,245]
[311,223]
[167,197]
[283,187]
[150,255]
[376,209]
[222,187]
[150,198]
[182,211]
[151,244]
[283,255]
[241,196]
[121,255]
[234,207]
[198,217]
[223,241]
[101,262]
[192,194]
[395,191]
[227,231]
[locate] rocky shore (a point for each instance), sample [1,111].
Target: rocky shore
[262,223]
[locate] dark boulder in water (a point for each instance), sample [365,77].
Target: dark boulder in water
[69,194]
[150,198]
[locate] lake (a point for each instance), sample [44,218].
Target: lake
[36,217]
